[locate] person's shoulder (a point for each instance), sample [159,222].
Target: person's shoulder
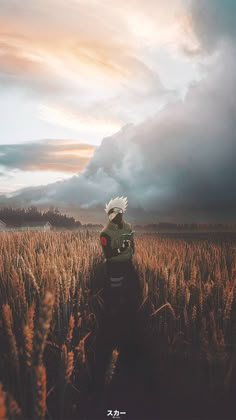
[128,225]
[105,238]
[105,230]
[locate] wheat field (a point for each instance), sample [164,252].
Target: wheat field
[50,313]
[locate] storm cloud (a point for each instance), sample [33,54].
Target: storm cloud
[213,20]
[178,165]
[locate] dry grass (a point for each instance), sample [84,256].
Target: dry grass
[48,317]
[44,298]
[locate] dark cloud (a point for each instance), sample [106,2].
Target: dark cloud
[178,165]
[213,21]
[56,155]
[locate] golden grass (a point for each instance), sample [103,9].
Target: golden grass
[189,292]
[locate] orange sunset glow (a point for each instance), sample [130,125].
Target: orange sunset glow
[106,78]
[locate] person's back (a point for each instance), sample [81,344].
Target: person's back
[117,240]
[121,292]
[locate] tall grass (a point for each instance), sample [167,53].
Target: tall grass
[48,320]
[45,324]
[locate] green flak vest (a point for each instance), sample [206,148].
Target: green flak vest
[117,237]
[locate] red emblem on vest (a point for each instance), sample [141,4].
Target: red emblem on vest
[103,241]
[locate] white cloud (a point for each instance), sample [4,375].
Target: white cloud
[89,58]
[177,164]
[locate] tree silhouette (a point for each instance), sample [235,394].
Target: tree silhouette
[16,217]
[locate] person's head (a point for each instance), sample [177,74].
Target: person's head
[118,219]
[115,209]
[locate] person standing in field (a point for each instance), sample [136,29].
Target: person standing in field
[121,293]
[117,240]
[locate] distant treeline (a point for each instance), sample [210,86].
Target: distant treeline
[16,217]
[161,226]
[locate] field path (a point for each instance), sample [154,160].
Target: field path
[138,389]
[134,384]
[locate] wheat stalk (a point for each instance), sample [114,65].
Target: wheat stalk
[40,392]
[70,329]
[67,363]
[3,410]
[111,366]
[8,320]
[45,316]
[13,409]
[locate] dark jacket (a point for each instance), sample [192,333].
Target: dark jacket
[117,243]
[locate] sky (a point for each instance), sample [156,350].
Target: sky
[101,98]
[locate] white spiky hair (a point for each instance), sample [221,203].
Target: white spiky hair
[120,202]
